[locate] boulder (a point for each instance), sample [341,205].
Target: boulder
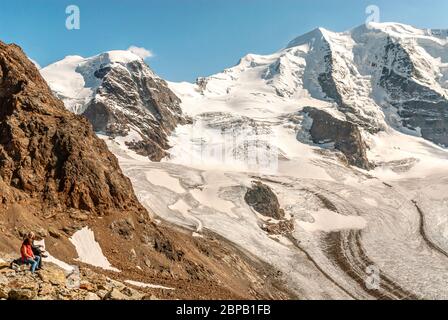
[87,286]
[115,294]
[124,227]
[133,254]
[102,293]
[22,294]
[53,275]
[91,296]
[4,292]
[263,200]
[132,294]
[46,289]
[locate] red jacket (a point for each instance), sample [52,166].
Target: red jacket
[26,251]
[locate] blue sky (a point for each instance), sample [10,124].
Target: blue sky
[191,38]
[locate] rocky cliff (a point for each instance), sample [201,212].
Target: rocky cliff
[421,106]
[344,135]
[48,155]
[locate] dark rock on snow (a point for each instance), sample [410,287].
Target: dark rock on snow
[345,135]
[264,201]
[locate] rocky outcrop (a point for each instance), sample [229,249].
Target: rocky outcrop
[54,283]
[49,155]
[429,118]
[345,136]
[261,198]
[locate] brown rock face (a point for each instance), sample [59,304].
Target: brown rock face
[345,135]
[47,154]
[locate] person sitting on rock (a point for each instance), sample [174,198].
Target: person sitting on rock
[28,256]
[38,250]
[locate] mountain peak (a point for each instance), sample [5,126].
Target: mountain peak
[107,57]
[119,56]
[394,29]
[312,36]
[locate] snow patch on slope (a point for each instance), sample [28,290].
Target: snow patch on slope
[147,285]
[89,250]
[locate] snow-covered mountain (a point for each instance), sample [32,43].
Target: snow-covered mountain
[374,77]
[325,160]
[121,96]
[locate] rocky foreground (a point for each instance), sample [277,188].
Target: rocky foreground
[53,283]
